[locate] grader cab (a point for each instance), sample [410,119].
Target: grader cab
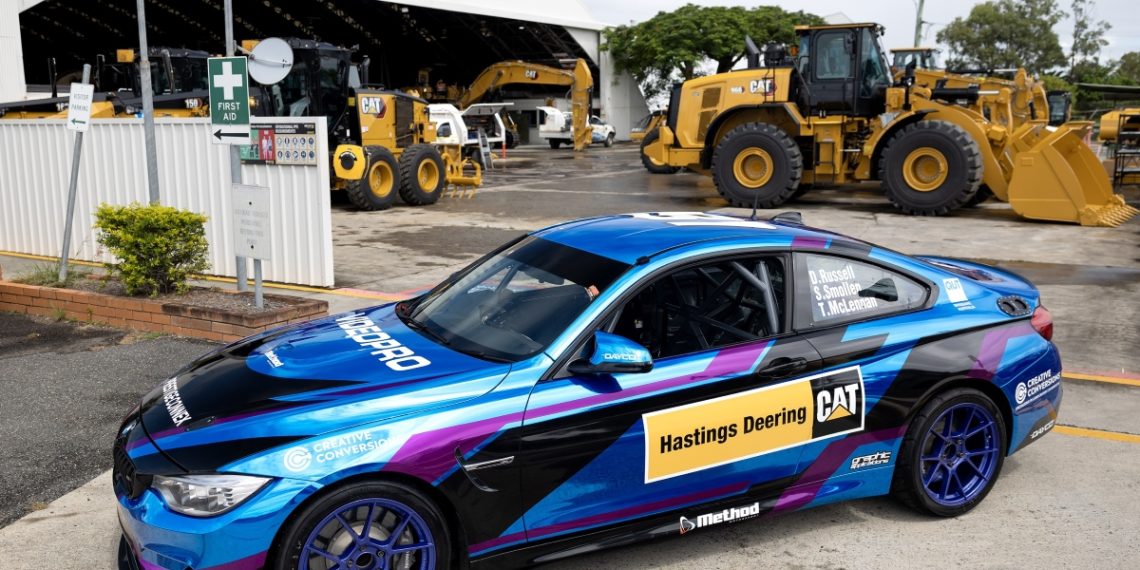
[834,115]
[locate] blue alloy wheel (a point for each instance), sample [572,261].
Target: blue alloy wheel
[370,534]
[960,454]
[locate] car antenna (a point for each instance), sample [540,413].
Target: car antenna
[755,201]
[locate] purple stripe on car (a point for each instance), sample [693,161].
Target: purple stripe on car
[828,462]
[248,563]
[613,516]
[810,241]
[993,348]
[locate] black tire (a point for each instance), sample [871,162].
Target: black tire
[291,540]
[947,193]
[512,140]
[800,191]
[609,140]
[907,483]
[376,190]
[422,175]
[555,144]
[785,161]
[984,193]
[649,165]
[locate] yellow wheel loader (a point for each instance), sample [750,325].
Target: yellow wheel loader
[834,115]
[579,80]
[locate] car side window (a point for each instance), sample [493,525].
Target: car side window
[706,306]
[838,289]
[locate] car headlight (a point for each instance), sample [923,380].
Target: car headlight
[206,495]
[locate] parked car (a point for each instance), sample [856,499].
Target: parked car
[602,132]
[592,384]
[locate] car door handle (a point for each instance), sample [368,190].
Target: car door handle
[784,366]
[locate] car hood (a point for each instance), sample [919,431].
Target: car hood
[326,375]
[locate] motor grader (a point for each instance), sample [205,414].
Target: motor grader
[382,138]
[833,115]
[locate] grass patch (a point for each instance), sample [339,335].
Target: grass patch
[47,275]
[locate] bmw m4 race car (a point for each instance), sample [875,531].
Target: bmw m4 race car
[589,385]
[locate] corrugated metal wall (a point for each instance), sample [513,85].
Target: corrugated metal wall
[35,162]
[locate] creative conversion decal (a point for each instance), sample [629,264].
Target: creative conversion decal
[707,434]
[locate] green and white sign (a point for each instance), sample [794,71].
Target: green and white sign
[229,99]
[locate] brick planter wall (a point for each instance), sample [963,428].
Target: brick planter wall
[151,315]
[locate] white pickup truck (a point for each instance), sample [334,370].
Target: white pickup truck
[455,127]
[556,128]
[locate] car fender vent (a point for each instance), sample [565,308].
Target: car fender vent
[1014,306]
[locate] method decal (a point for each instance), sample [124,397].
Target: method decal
[716,432]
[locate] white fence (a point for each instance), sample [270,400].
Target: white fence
[194,174]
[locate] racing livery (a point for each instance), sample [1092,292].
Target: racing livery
[589,385]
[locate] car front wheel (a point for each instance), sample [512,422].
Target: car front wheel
[952,454]
[370,525]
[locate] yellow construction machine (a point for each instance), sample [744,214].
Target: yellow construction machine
[921,57]
[579,80]
[382,139]
[834,115]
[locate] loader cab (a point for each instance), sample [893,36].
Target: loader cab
[844,68]
[318,84]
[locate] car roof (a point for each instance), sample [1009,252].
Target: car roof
[633,238]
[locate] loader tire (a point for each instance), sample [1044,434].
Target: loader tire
[377,189]
[930,168]
[757,164]
[984,193]
[652,166]
[422,175]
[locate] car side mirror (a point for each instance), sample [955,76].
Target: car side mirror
[882,289]
[613,354]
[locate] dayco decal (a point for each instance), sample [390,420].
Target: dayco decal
[389,350]
[727,515]
[173,400]
[683,439]
[1035,387]
[300,458]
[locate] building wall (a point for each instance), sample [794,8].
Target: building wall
[12,85]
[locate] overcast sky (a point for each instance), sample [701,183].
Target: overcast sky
[896,15]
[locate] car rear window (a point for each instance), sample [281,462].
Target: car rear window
[839,289]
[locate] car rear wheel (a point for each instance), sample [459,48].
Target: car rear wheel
[555,144]
[952,454]
[365,526]
[609,140]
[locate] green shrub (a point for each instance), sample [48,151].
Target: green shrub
[158,247]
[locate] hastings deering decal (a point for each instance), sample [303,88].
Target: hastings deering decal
[739,426]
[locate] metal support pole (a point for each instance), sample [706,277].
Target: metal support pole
[235,156]
[258,301]
[71,191]
[918,22]
[148,106]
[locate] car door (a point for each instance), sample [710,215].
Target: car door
[599,449]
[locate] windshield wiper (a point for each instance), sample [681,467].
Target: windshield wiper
[485,356]
[416,325]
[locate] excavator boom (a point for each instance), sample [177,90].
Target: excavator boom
[579,80]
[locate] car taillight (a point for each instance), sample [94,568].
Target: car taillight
[1042,322]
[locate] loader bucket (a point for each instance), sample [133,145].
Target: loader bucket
[1060,179]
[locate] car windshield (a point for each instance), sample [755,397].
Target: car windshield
[513,303]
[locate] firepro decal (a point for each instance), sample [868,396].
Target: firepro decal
[388,350]
[740,426]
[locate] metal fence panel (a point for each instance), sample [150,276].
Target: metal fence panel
[35,159]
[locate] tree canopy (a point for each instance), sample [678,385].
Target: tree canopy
[677,43]
[1001,34]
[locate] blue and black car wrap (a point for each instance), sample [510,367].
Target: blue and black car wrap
[808,368]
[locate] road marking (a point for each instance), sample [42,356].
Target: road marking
[1100,378]
[1097,434]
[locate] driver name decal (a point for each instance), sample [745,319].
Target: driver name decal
[388,350]
[740,426]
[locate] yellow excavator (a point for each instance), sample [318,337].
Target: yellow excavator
[579,80]
[834,115]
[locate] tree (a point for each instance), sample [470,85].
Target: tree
[677,43]
[1088,37]
[1128,68]
[1006,34]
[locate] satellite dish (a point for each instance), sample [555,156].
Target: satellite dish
[270,61]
